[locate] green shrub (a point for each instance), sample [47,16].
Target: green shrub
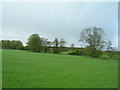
[97,53]
[111,54]
[88,51]
[56,50]
[66,52]
[26,48]
[76,52]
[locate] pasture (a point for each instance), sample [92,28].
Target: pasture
[25,69]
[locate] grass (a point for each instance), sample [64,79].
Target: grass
[25,69]
[0,68]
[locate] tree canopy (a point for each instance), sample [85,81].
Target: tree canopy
[94,37]
[34,43]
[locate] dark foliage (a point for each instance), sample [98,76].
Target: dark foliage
[76,52]
[14,44]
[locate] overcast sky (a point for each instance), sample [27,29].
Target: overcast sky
[60,20]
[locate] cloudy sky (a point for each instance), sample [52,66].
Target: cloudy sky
[58,19]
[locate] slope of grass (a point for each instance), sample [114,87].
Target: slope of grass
[25,69]
[0,68]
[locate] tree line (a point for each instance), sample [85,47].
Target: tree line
[13,44]
[93,37]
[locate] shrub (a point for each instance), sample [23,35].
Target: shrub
[76,52]
[88,51]
[56,50]
[26,48]
[97,53]
[111,54]
[45,49]
[66,52]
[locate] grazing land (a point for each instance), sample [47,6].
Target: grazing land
[0,68]
[25,69]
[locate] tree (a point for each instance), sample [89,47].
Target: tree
[35,43]
[56,43]
[0,44]
[110,49]
[44,41]
[62,42]
[15,44]
[93,37]
[19,45]
[5,44]
[109,45]
[72,46]
[49,43]
[45,44]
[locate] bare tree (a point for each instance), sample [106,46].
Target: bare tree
[72,46]
[110,50]
[109,45]
[56,44]
[62,42]
[94,37]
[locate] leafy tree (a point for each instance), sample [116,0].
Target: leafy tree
[35,43]
[0,44]
[93,37]
[5,44]
[19,45]
[15,44]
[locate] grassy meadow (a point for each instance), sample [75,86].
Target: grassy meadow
[0,68]
[25,69]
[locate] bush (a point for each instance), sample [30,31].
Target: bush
[97,53]
[45,49]
[76,52]
[112,54]
[88,51]
[26,48]
[66,52]
[56,50]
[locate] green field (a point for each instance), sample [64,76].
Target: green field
[25,69]
[0,68]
